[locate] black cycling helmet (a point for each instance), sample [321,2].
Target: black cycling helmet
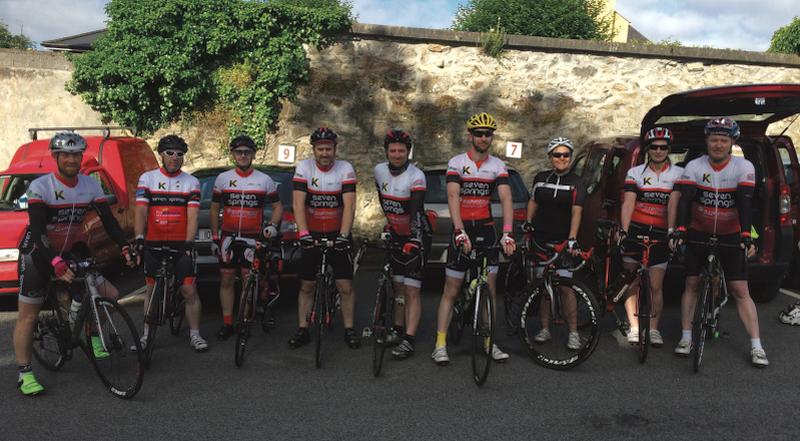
[172,142]
[323,134]
[243,141]
[397,135]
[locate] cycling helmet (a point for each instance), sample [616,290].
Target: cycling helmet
[67,142]
[397,135]
[243,141]
[558,142]
[323,134]
[658,133]
[481,121]
[172,142]
[723,126]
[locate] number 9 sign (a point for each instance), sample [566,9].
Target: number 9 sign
[286,153]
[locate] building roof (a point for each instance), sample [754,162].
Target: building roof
[634,36]
[74,43]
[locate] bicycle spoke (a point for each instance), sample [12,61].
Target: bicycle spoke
[120,369]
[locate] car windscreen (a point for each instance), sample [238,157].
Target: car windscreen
[281,178]
[12,191]
[436,192]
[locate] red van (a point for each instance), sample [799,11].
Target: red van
[115,161]
[776,204]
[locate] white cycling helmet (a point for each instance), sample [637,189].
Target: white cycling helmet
[558,142]
[67,142]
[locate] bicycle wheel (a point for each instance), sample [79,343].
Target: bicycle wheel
[153,320]
[482,334]
[51,336]
[643,312]
[702,311]
[243,318]
[177,312]
[515,288]
[319,314]
[120,369]
[556,349]
[381,321]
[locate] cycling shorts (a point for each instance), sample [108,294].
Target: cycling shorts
[36,274]
[480,234]
[409,269]
[659,253]
[185,266]
[340,261]
[229,259]
[733,260]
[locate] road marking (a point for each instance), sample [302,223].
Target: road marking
[790,293]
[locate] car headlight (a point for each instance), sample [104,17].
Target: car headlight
[9,255]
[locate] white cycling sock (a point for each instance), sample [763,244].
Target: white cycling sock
[755,343]
[145,329]
[686,335]
[193,332]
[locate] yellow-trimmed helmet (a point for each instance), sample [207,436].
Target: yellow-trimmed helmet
[481,121]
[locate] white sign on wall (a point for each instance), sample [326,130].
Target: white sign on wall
[286,153]
[513,149]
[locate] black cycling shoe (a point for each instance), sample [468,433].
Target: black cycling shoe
[351,338]
[225,332]
[301,338]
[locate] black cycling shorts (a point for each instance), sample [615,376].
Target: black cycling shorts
[732,260]
[409,269]
[185,267]
[340,261]
[659,253]
[36,274]
[480,234]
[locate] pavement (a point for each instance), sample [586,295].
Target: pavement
[278,394]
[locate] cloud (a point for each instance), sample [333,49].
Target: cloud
[437,14]
[49,19]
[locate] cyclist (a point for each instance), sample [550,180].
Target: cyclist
[324,205]
[241,194]
[471,178]
[716,200]
[644,212]
[401,189]
[167,203]
[553,217]
[57,206]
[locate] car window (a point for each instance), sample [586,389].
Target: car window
[593,172]
[578,164]
[787,163]
[519,193]
[102,180]
[12,191]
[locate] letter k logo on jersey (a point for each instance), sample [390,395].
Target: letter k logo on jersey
[315,182]
[232,183]
[465,170]
[162,185]
[707,177]
[384,186]
[59,194]
[647,180]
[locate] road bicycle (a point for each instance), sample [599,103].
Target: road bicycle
[166,302]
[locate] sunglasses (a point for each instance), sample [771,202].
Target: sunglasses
[560,155]
[482,133]
[172,153]
[243,152]
[659,147]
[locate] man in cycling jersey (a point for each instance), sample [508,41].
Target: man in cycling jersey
[471,178]
[57,206]
[401,189]
[324,206]
[644,213]
[241,194]
[167,203]
[716,200]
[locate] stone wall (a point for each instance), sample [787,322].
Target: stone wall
[429,82]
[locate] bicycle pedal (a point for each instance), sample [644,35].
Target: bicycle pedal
[366,332]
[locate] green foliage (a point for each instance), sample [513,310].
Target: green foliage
[164,60]
[580,19]
[494,41]
[7,40]
[786,40]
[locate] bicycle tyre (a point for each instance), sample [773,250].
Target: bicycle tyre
[552,353]
[482,334]
[700,324]
[382,317]
[320,312]
[643,311]
[242,327]
[152,320]
[122,372]
[51,336]
[177,313]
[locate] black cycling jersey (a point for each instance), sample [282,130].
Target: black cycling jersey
[555,195]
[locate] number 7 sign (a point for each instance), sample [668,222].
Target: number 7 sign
[286,153]
[513,149]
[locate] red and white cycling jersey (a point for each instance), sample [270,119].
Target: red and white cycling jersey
[714,206]
[477,180]
[242,198]
[66,207]
[652,192]
[324,189]
[168,197]
[395,194]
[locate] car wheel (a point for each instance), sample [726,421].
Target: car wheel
[764,291]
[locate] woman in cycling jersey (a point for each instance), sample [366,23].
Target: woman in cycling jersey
[554,216]
[644,213]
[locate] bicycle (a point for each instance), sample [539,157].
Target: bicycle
[326,300]
[612,280]
[249,298]
[99,319]
[475,296]
[166,302]
[547,320]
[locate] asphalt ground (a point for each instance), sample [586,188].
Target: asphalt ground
[278,394]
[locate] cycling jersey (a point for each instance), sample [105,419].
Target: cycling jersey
[324,190]
[555,195]
[403,211]
[652,193]
[477,181]
[242,197]
[168,197]
[718,199]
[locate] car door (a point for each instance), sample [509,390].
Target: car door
[791,170]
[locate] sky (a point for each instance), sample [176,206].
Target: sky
[733,24]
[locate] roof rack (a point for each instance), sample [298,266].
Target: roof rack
[34,132]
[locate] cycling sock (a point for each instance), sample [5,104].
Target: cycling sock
[755,343]
[408,337]
[23,369]
[227,319]
[441,339]
[193,332]
[686,334]
[145,330]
